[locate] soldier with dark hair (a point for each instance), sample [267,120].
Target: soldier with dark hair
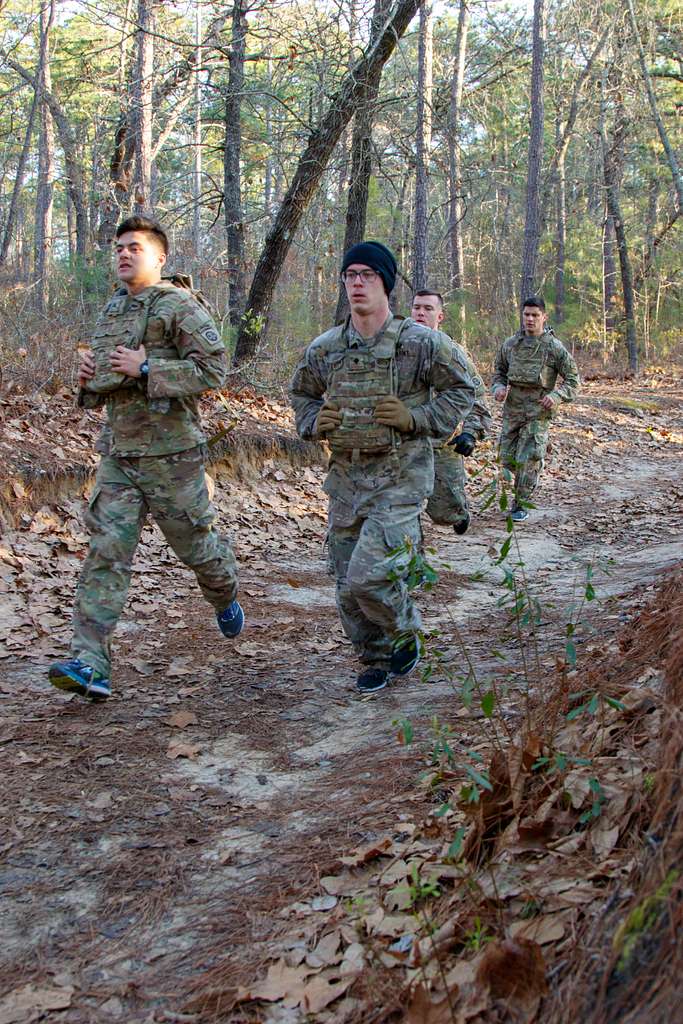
[525,378]
[378,389]
[155,350]
[448,503]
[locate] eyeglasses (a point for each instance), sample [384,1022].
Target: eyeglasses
[349,276]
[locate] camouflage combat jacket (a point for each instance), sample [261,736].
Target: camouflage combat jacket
[425,364]
[479,421]
[533,364]
[186,356]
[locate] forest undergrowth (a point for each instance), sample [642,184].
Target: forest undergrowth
[545,885]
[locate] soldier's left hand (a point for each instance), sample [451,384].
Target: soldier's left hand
[128,360]
[464,443]
[547,402]
[392,412]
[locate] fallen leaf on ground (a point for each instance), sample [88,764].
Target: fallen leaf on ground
[29,1003]
[423,1010]
[323,902]
[102,800]
[365,853]
[514,970]
[177,748]
[548,928]
[322,991]
[181,719]
[180,667]
[281,982]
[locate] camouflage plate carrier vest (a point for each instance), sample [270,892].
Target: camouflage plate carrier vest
[360,378]
[123,321]
[527,363]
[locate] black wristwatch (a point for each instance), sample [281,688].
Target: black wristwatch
[144,369]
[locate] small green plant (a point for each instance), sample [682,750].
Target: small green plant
[599,798]
[532,908]
[356,905]
[417,889]
[477,937]
[558,762]
[406,733]
[591,704]
[454,851]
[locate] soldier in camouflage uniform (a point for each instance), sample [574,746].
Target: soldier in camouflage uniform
[448,504]
[378,388]
[154,351]
[525,378]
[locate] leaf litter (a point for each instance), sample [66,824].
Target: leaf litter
[530,874]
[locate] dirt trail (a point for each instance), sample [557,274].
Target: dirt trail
[128,873]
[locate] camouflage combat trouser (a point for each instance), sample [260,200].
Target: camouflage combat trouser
[523,442]
[372,597]
[173,489]
[447,504]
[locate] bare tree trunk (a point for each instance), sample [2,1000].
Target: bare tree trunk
[197,169]
[456,259]
[652,99]
[268,175]
[564,137]
[361,159]
[309,171]
[505,288]
[423,144]
[560,231]
[13,212]
[232,190]
[141,110]
[532,225]
[46,166]
[609,275]
[72,162]
[612,156]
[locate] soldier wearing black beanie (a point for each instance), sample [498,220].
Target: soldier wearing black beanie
[377,389]
[377,257]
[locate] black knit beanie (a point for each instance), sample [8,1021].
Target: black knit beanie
[377,257]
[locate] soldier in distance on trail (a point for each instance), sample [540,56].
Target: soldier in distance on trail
[527,367]
[448,503]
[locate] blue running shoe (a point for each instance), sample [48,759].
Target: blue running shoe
[518,515]
[76,677]
[231,619]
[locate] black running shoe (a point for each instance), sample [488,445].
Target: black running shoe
[462,526]
[405,655]
[372,680]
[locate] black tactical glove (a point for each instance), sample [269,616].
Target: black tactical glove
[464,443]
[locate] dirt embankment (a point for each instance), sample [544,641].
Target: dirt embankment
[161,850]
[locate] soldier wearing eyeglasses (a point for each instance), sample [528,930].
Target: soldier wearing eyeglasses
[378,388]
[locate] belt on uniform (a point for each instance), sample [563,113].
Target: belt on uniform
[357,456]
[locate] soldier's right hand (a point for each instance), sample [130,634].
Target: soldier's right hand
[500,394]
[86,370]
[329,418]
